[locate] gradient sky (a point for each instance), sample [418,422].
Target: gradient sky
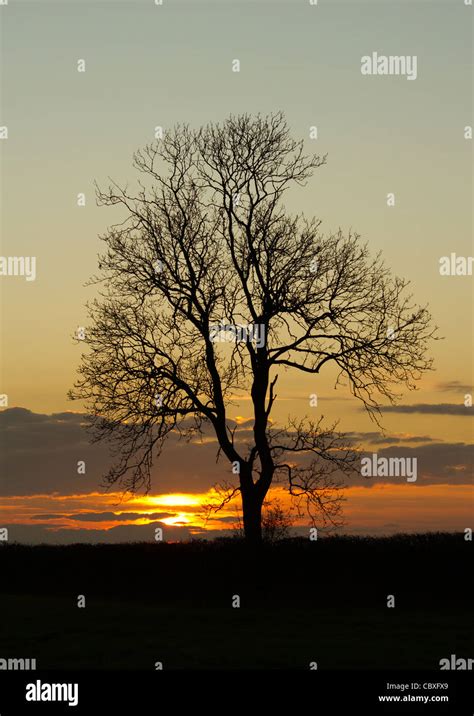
[150,65]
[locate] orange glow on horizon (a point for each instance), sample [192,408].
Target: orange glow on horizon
[402,507]
[174,500]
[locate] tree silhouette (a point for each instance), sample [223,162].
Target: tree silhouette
[207,252]
[276,522]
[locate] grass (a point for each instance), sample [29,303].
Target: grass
[299,603]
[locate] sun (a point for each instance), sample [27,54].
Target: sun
[180,519]
[175,500]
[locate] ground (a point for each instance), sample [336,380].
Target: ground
[300,602]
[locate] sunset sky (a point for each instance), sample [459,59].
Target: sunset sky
[149,65]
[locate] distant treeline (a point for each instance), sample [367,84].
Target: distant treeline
[424,571]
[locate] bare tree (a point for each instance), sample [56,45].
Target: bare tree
[276,522]
[206,249]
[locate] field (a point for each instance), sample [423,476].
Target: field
[300,602]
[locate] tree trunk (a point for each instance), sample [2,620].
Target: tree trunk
[252,509]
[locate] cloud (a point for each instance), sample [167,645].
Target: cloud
[432,409]
[454,386]
[40,454]
[438,463]
[105,516]
[379,438]
[41,534]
